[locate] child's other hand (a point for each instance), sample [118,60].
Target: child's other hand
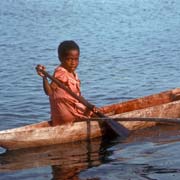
[40,67]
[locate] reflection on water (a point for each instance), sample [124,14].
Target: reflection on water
[65,160]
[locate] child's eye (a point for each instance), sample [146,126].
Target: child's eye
[72,59]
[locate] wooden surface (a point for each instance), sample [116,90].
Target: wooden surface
[164,104]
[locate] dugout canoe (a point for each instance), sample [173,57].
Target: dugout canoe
[165,105]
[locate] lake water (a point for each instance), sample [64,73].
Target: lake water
[128,49]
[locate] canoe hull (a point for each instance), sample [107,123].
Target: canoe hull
[48,135]
[43,134]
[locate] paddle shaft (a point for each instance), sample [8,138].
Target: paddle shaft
[117,128]
[145,119]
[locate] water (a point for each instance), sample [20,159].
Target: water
[128,49]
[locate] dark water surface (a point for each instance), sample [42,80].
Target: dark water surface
[128,49]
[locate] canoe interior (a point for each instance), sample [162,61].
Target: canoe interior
[143,102]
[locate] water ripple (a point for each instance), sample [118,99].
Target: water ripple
[128,49]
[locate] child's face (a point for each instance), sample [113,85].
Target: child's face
[71,60]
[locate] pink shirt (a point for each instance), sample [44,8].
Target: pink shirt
[65,108]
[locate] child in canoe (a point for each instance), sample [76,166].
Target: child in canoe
[65,108]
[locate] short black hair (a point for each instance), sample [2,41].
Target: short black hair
[66,46]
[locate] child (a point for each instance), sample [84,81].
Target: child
[65,108]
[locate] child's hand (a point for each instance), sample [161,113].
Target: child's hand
[40,67]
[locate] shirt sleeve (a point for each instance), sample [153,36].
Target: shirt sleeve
[61,75]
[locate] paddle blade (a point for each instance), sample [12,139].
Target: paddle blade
[112,127]
[116,128]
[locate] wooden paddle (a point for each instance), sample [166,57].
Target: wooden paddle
[144,119]
[109,124]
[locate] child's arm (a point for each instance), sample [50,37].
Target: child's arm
[46,85]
